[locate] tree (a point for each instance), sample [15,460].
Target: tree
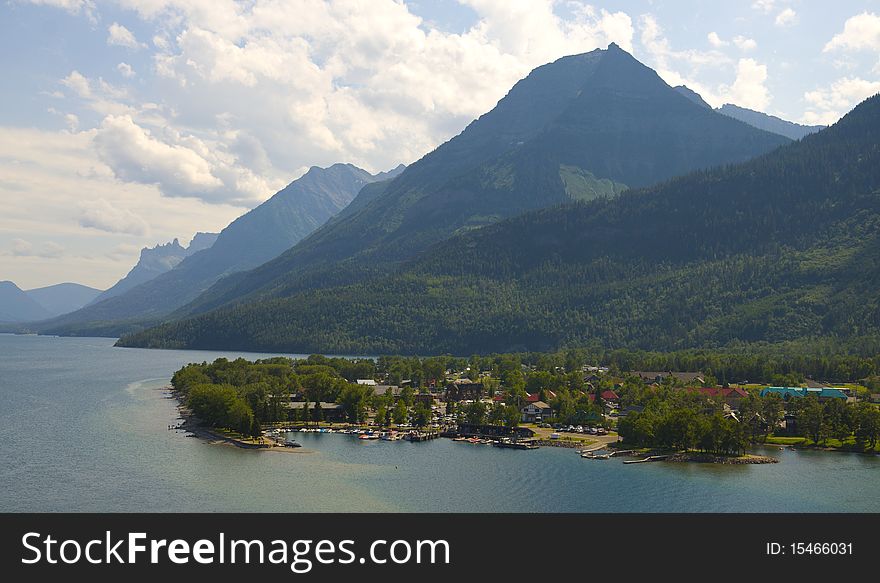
[868,425]
[381,415]
[771,411]
[407,395]
[421,414]
[400,413]
[512,416]
[811,418]
[475,413]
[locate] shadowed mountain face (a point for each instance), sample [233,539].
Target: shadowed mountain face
[785,247]
[255,237]
[583,127]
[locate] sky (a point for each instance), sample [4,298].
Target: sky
[128,123]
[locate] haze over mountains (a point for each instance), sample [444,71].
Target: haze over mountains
[754,118]
[17,305]
[155,261]
[250,240]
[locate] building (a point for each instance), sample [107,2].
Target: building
[332,412]
[474,430]
[463,391]
[382,390]
[789,393]
[610,396]
[534,397]
[657,376]
[368,382]
[424,398]
[536,412]
[732,396]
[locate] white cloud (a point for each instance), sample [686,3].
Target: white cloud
[716,41]
[749,89]
[46,250]
[72,6]
[828,104]
[745,44]
[135,155]
[121,36]
[77,83]
[861,32]
[21,248]
[787,17]
[765,6]
[125,70]
[104,216]
[49,177]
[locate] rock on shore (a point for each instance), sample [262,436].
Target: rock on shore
[709,458]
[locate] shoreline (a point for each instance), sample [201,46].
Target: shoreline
[192,426]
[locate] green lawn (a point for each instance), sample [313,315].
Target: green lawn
[848,444]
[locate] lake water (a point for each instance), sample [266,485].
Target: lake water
[83,427]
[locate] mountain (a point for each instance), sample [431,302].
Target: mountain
[252,239]
[768,122]
[782,248]
[155,261]
[63,297]
[585,126]
[754,118]
[17,306]
[695,97]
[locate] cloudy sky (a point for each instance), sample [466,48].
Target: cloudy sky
[126,123]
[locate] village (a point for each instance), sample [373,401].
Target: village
[594,410]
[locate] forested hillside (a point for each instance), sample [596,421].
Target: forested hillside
[785,247]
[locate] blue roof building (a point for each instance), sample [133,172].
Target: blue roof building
[796,392]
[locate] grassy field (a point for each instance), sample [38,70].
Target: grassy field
[846,444]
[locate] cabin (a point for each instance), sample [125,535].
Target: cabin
[367,382]
[463,391]
[331,412]
[536,412]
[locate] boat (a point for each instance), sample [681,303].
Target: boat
[291,443]
[368,436]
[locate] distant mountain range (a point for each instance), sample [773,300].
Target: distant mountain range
[584,128]
[756,119]
[17,305]
[783,248]
[252,239]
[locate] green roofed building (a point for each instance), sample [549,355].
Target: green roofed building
[788,393]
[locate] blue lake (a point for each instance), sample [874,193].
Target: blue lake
[83,427]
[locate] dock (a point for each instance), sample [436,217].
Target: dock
[651,458]
[516,444]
